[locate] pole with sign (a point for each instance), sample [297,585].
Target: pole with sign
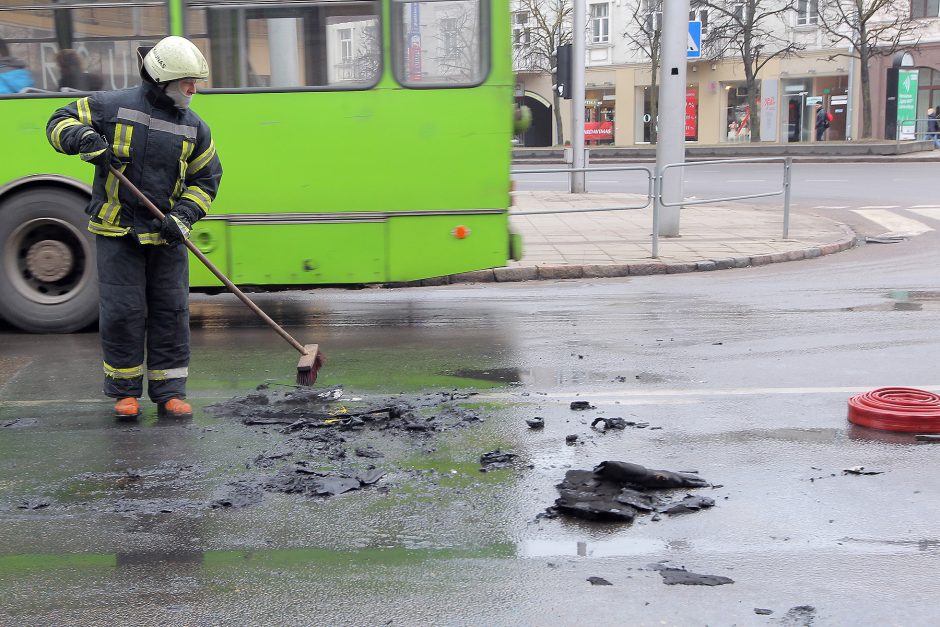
[672,111]
[694,46]
[579,20]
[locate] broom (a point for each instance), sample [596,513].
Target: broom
[311,359]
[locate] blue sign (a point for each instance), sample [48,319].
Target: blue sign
[694,49]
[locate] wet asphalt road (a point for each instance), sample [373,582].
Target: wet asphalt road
[745,373]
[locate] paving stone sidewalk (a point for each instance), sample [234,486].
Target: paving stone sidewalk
[619,243]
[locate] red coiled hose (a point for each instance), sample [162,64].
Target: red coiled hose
[897,409]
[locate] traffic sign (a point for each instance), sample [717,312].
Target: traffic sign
[694,49]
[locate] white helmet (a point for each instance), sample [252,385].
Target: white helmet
[174,58]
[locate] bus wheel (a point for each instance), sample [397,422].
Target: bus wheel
[47,262]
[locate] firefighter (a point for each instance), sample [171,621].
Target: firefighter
[151,135]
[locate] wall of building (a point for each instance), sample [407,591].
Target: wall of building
[618,78]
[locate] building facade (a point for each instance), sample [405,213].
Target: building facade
[619,106]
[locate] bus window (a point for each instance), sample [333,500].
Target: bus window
[332,45]
[440,43]
[78,47]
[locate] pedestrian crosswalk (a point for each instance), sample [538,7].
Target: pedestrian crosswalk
[896,220]
[894,223]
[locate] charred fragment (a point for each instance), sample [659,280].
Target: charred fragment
[620,491]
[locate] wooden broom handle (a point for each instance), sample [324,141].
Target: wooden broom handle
[211,266]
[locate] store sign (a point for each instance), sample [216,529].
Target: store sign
[768,109]
[594,131]
[907,103]
[691,113]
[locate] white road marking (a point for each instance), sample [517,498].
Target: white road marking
[893,223]
[831,207]
[925,207]
[880,207]
[927,212]
[634,395]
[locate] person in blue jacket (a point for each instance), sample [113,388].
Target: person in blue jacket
[14,75]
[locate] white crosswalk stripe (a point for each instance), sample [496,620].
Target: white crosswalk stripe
[927,212]
[893,223]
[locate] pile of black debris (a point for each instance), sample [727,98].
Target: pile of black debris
[620,491]
[306,410]
[324,450]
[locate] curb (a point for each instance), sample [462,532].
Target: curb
[517,274]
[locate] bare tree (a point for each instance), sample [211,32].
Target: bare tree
[548,26]
[753,31]
[457,50]
[368,58]
[869,28]
[644,32]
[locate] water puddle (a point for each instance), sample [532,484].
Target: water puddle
[904,300]
[615,547]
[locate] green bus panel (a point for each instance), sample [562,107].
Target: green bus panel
[307,254]
[435,249]
[211,237]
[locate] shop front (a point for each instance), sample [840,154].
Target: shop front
[800,96]
[599,117]
[645,123]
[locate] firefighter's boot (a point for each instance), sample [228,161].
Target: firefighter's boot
[175,408]
[127,408]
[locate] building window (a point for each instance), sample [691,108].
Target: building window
[449,37]
[701,15]
[600,24]
[807,12]
[346,45]
[653,9]
[925,8]
[520,29]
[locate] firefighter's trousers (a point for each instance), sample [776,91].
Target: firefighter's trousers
[144,301]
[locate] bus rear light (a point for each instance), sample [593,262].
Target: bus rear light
[460,232]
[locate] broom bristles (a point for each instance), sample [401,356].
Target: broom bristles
[309,365]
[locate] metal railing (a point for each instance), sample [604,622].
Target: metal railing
[784,190]
[920,132]
[650,186]
[655,190]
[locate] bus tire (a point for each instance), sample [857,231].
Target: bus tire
[48,276]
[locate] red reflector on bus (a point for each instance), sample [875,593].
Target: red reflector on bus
[460,232]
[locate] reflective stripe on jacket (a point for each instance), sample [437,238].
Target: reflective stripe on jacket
[168,153]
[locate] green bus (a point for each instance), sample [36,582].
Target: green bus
[363,141]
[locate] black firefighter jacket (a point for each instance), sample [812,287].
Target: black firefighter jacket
[168,153]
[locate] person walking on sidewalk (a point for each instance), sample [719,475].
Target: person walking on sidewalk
[165,149]
[933,127]
[822,121]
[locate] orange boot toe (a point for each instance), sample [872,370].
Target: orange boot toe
[175,408]
[127,407]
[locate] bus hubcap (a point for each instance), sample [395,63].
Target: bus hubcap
[49,260]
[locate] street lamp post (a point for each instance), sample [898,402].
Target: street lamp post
[670,146]
[577,96]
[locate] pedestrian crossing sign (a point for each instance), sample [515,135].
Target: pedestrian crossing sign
[694,49]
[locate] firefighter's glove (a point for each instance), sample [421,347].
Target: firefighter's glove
[174,229]
[94,148]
